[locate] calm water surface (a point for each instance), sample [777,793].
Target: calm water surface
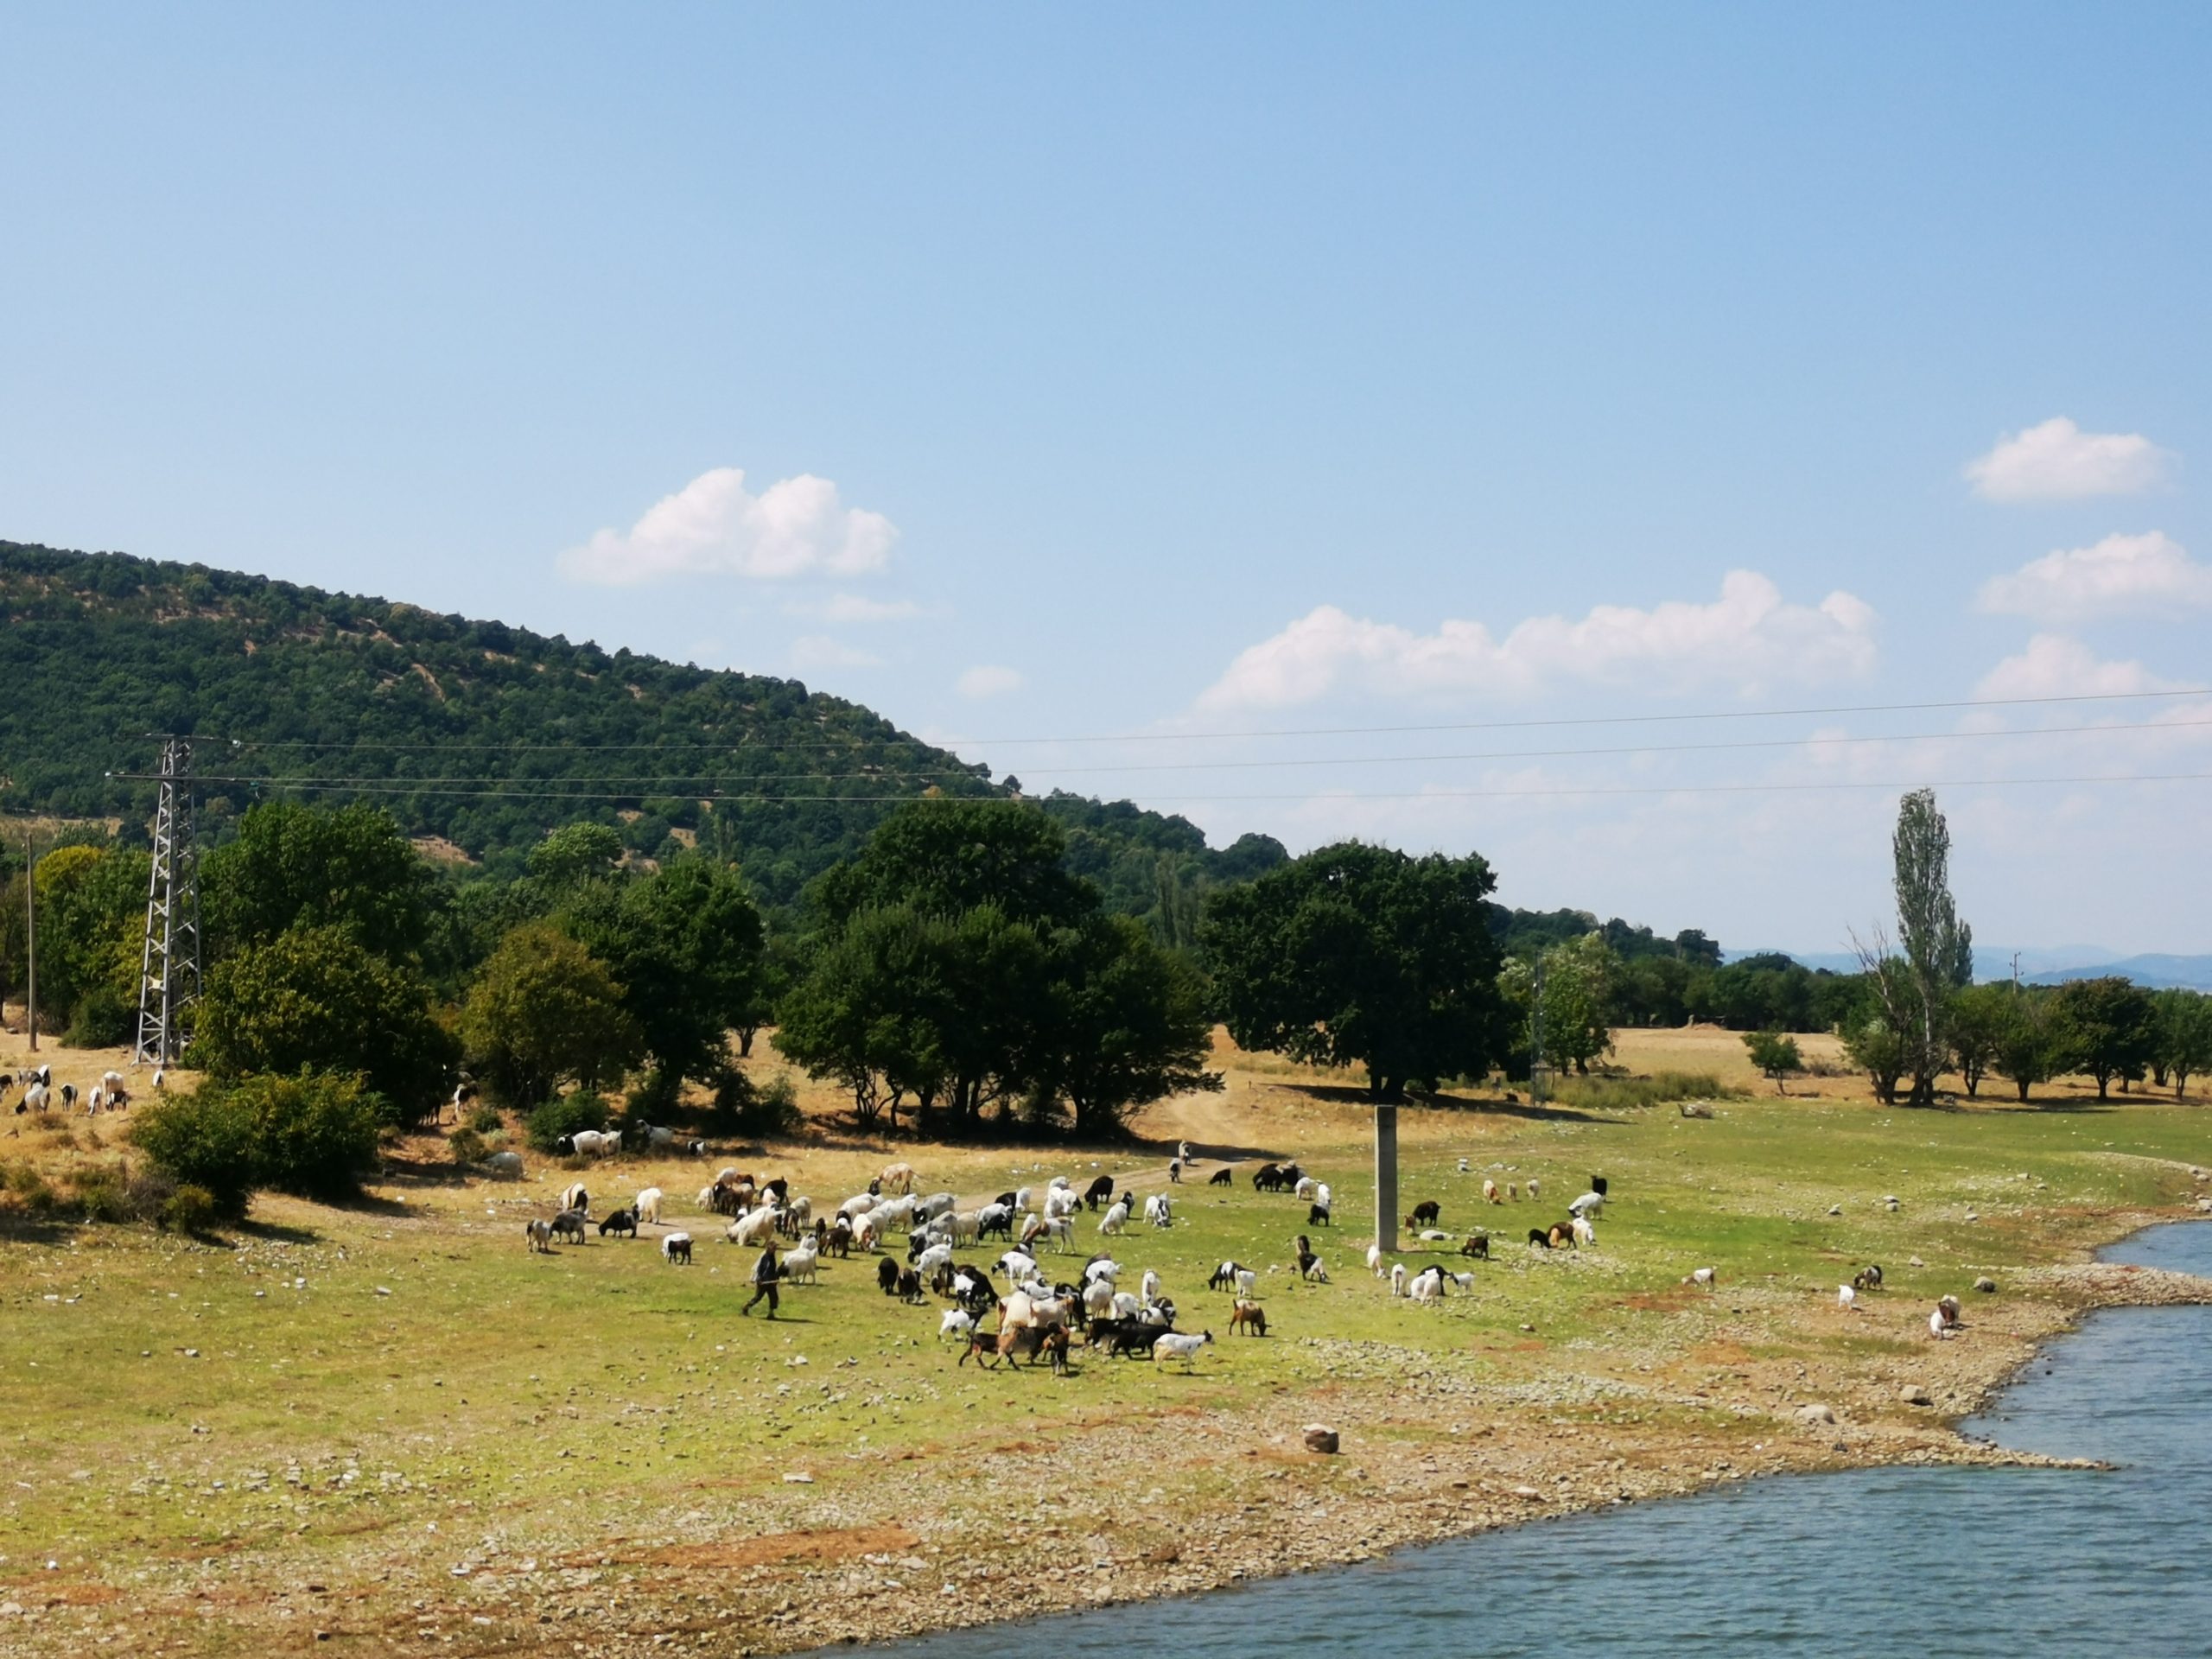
[1959,1563]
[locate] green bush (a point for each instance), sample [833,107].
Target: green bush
[565,1116]
[486,1118]
[191,1209]
[103,1019]
[466,1146]
[104,1197]
[741,1109]
[314,1135]
[1605,1094]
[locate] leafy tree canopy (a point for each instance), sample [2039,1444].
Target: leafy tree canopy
[297,866]
[1356,953]
[545,1011]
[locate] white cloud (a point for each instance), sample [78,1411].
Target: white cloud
[815,650]
[858,608]
[986,681]
[2121,575]
[2055,666]
[713,526]
[1747,638]
[2058,461]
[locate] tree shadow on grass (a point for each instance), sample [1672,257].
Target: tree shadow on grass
[267,1232]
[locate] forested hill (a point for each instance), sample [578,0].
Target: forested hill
[483,735]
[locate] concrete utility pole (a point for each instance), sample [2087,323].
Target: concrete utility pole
[31,935]
[169,972]
[1385,1177]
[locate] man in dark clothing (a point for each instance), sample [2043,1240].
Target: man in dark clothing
[765,1272]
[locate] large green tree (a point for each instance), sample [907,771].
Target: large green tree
[314,998]
[295,866]
[2184,1035]
[950,856]
[1359,955]
[545,1011]
[1934,946]
[2031,1045]
[2110,1024]
[1129,1022]
[684,944]
[1981,1015]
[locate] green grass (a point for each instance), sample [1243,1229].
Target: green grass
[326,1428]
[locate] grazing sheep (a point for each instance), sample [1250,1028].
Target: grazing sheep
[1434,1236]
[569,1223]
[1176,1346]
[1249,1317]
[675,1250]
[1149,1286]
[1113,1220]
[1061,1230]
[1219,1178]
[910,1285]
[1513,1191]
[505,1165]
[1098,1192]
[1017,1266]
[1316,1272]
[1846,1298]
[1948,1307]
[1102,1267]
[897,1177]
[1221,1277]
[1174,1173]
[1425,1213]
[597,1143]
[647,1206]
[1532,1189]
[1375,1260]
[1247,1281]
[1306,1188]
[1098,1298]
[1938,1327]
[1592,1203]
[1428,1285]
[1397,1278]
[1156,1210]
[1867,1278]
[1127,1306]
[1584,1233]
[539,1232]
[1598,1185]
[573,1197]
[1477,1246]
[800,1261]
[1562,1236]
[1317,1215]
[753,1227]
[1539,1239]
[1489,1191]
[1702,1278]
[955,1322]
[622,1221]
[938,1255]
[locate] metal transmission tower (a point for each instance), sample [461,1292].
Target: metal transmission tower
[168,977]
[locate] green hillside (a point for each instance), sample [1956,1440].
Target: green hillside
[480,734]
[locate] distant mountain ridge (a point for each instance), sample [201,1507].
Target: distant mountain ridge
[2049,965]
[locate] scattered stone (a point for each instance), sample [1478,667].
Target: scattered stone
[1835,1209]
[1971,1215]
[1319,1437]
[1529,1493]
[1986,1285]
[799,1480]
[1816,1415]
[1915,1395]
[1915,1263]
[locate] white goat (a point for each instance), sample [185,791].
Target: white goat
[1156,1210]
[573,1197]
[1149,1286]
[1177,1345]
[1114,1219]
[753,1227]
[956,1323]
[1375,1260]
[800,1261]
[1397,1278]
[646,1206]
[1247,1281]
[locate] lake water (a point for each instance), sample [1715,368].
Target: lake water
[1955,1562]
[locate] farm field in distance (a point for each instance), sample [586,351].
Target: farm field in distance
[390,1425]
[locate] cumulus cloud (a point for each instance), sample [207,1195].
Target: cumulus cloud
[2053,665]
[1747,638]
[815,650]
[986,681]
[715,526]
[2058,461]
[2121,575]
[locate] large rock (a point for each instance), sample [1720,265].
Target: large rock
[1914,1394]
[1319,1437]
[1816,1416]
[1986,1285]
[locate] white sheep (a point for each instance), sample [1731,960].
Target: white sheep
[856,1206]
[1590,1204]
[1532,1189]
[707,1197]
[1061,1230]
[646,1205]
[1149,1286]
[573,1197]
[1060,1201]
[1247,1281]
[956,1323]
[938,1255]
[1114,1219]
[1434,1236]
[801,1210]
[1017,1266]
[657,1139]
[1375,1260]
[1845,1298]
[1127,1306]
[1306,1187]
[1428,1285]
[1397,1278]
[1105,1268]
[1316,1272]
[800,1261]
[937,1204]
[1321,1195]
[1177,1345]
[1156,1210]
[1584,1233]
[675,1247]
[753,1227]
[1021,1199]
[1098,1298]
[1701,1277]
[1938,1327]
[1490,1189]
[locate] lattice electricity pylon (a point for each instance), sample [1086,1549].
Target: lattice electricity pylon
[168,975]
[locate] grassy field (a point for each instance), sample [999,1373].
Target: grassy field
[392,1424]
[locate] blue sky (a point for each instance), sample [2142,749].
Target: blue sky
[1246,368]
